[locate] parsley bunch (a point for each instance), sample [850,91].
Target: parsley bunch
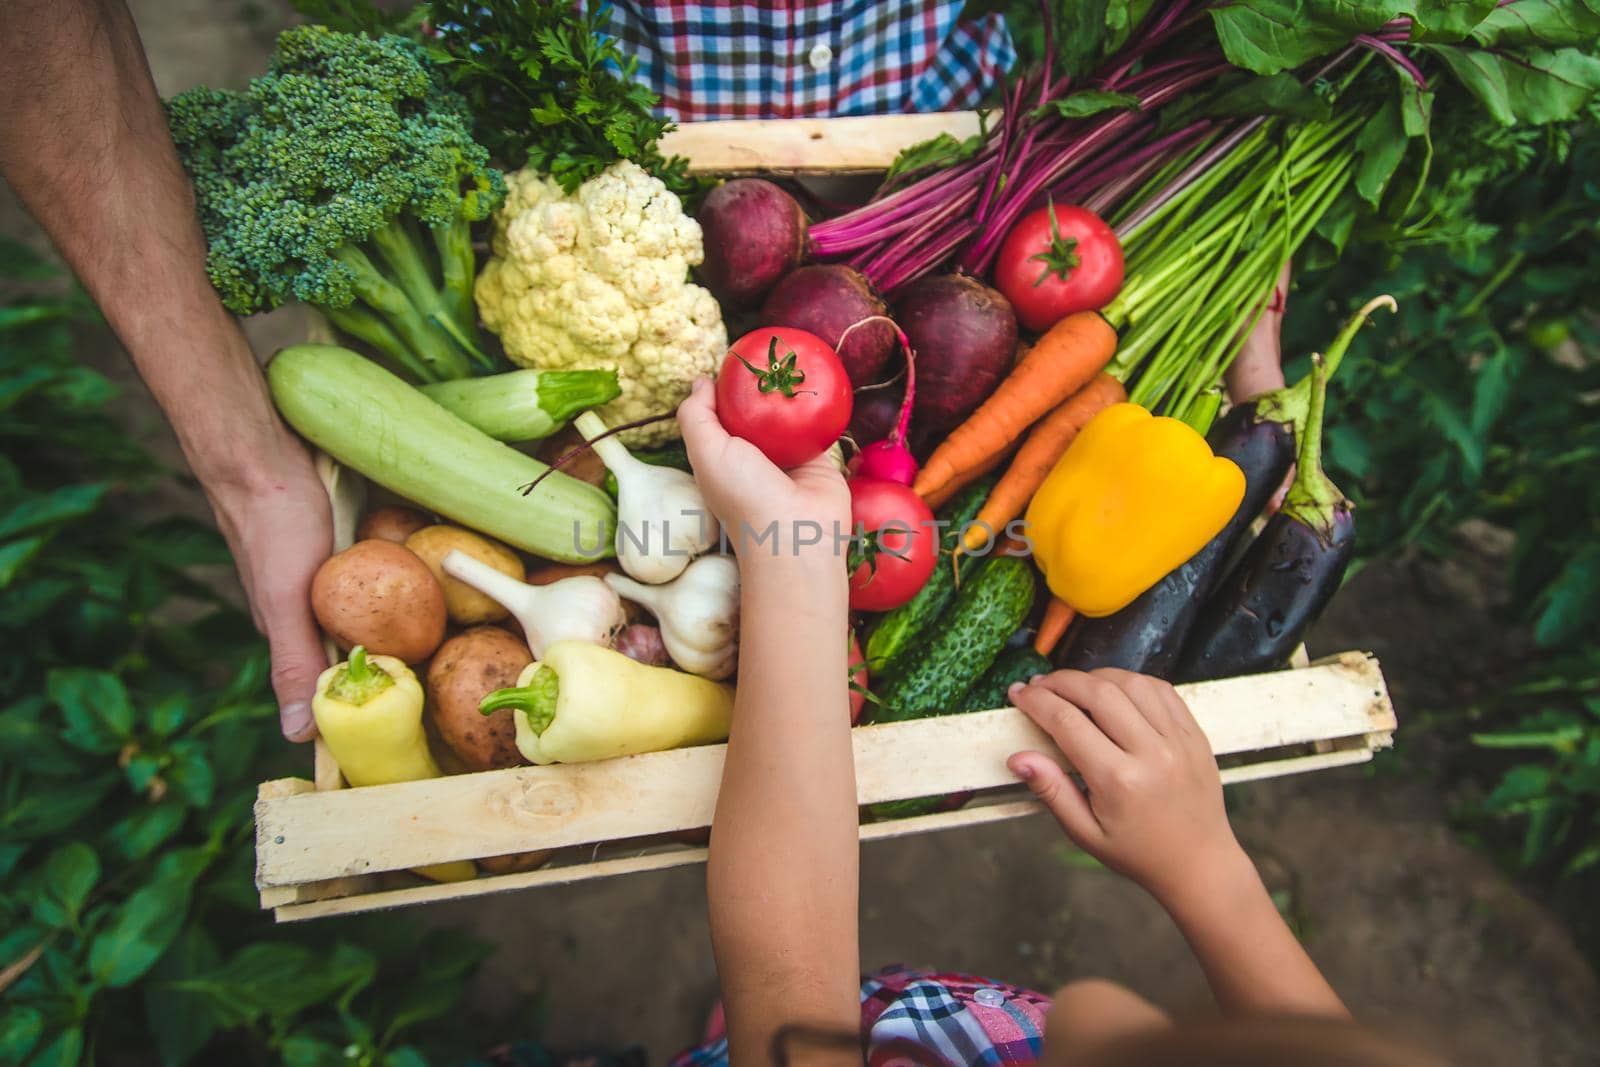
[550,88]
[546,85]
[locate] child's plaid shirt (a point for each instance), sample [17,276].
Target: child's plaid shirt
[781,59]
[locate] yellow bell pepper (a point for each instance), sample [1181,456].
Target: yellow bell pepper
[369,713]
[583,702]
[1133,498]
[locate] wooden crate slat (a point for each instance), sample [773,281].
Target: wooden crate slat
[308,905]
[854,145]
[314,836]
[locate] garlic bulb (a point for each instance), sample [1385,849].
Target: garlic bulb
[698,614]
[582,608]
[662,519]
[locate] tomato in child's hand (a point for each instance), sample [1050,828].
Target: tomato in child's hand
[901,544]
[858,679]
[1050,269]
[785,391]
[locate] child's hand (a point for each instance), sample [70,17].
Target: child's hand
[1151,802]
[750,495]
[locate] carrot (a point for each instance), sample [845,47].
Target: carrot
[1070,353]
[944,496]
[1037,457]
[1057,617]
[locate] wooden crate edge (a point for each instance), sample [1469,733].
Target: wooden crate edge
[300,839]
[860,144]
[327,905]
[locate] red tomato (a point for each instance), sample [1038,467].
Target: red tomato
[901,544]
[1050,268]
[785,391]
[858,677]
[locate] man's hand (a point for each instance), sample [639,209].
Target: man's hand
[84,143]
[1151,802]
[1258,368]
[280,533]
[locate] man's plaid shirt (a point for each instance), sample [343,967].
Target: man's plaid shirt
[782,59]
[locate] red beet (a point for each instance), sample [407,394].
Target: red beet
[965,337]
[828,299]
[873,415]
[755,233]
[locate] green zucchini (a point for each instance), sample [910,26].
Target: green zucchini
[372,422]
[963,642]
[1012,665]
[896,630]
[524,405]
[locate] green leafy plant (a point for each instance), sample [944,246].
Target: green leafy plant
[551,89]
[1552,796]
[135,723]
[1538,810]
[1479,400]
[547,85]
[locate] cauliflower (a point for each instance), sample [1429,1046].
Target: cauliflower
[598,280]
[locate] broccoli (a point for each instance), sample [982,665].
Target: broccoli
[317,182]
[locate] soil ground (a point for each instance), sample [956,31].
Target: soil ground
[1414,928]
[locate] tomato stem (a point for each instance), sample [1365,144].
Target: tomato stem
[1061,258]
[781,375]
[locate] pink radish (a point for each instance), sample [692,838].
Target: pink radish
[890,458]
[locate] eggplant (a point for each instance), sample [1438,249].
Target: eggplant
[1289,574]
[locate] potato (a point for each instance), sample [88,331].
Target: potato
[546,573]
[467,668]
[380,595]
[465,604]
[391,523]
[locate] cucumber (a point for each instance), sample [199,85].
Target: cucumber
[897,629]
[1012,665]
[962,644]
[905,809]
[524,405]
[372,422]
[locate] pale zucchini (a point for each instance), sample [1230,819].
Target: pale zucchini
[371,421]
[524,405]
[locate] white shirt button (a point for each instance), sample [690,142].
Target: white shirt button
[989,998]
[821,56]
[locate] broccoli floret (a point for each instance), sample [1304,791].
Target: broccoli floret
[345,177]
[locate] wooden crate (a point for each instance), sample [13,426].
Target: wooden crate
[322,849]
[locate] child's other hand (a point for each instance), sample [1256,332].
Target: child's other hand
[749,493]
[1151,802]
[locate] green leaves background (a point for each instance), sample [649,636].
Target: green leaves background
[135,723]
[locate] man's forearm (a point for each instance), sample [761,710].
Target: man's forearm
[84,145]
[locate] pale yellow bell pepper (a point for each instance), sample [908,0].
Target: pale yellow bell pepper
[369,713]
[583,702]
